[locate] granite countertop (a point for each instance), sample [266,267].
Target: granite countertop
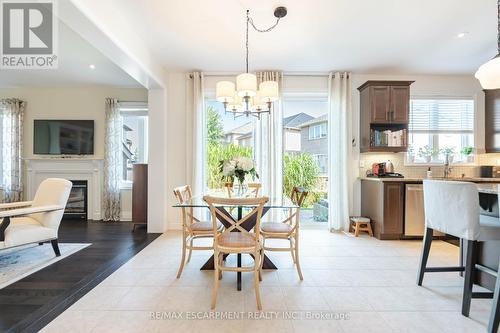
[409,179]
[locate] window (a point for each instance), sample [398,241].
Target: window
[134,136]
[305,158]
[322,162]
[440,127]
[317,131]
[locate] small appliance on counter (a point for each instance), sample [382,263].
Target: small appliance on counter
[489,171]
[380,170]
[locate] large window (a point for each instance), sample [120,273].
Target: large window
[134,136]
[440,127]
[305,158]
[227,137]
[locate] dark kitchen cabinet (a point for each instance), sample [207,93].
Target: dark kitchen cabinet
[384,108]
[492,121]
[383,202]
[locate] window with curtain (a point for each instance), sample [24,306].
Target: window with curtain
[134,136]
[440,127]
[305,153]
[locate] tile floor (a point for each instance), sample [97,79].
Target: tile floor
[369,284]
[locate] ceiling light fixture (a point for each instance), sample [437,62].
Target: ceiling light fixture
[462,34]
[489,73]
[92,66]
[243,98]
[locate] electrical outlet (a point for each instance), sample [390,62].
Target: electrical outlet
[361,163]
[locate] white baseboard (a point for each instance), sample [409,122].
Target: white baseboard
[126,216]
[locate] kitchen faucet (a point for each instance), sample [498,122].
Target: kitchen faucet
[447,168]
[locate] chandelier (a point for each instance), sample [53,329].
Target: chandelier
[489,73]
[243,98]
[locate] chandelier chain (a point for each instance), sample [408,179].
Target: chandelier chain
[250,21]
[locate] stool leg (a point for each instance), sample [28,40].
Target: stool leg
[469,276]
[425,255]
[370,231]
[495,309]
[356,230]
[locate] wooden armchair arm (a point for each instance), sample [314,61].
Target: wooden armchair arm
[15,204]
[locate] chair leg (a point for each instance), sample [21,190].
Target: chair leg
[470,262]
[425,255]
[216,280]
[495,308]
[297,262]
[258,259]
[183,257]
[291,250]
[55,246]
[190,249]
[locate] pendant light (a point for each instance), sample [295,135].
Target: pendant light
[244,97]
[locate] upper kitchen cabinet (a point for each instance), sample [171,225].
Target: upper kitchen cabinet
[384,116]
[492,121]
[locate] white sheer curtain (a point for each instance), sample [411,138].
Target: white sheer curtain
[268,134]
[11,117]
[112,161]
[339,147]
[195,132]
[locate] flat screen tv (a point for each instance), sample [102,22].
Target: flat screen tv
[63,137]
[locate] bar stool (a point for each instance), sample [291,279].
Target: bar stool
[453,208]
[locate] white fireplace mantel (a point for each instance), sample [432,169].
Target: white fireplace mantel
[91,170]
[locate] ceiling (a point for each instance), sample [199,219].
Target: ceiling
[75,55]
[365,36]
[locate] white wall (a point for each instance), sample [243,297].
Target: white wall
[85,102]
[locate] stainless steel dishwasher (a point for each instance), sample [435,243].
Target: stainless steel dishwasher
[414,223]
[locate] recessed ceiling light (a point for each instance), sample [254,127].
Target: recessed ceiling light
[92,66]
[462,34]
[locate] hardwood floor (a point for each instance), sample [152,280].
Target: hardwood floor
[29,304]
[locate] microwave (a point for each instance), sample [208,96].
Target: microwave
[490,171]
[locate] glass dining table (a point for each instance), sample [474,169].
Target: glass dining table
[273,203]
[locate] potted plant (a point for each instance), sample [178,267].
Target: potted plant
[238,167]
[427,153]
[467,152]
[449,153]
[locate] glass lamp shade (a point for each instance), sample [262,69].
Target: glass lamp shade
[246,84]
[489,74]
[269,91]
[224,91]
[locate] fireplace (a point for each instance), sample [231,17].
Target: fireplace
[76,208]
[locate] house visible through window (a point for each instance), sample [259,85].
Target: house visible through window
[440,127]
[134,136]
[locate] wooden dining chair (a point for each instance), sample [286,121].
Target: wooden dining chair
[235,239]
[192,228]
[287,229]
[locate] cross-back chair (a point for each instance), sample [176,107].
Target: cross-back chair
[287,229]
[192,228]
[235,239]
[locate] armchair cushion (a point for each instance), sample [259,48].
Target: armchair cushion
[276,227]
[25,230]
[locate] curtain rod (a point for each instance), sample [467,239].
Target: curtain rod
[311,74]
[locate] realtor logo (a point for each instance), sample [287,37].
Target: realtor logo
[29,34]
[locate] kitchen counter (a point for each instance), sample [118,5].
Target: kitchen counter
[411,180]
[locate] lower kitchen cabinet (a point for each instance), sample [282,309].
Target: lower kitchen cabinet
[383,202]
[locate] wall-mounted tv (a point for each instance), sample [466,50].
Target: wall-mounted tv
[63,137]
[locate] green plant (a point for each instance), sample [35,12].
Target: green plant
[427,151]
[301,170]
[215,128]
[466,151]
[450,151]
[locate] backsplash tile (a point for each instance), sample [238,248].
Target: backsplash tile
[397,160]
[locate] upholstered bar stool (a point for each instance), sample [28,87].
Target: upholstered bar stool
[453,208]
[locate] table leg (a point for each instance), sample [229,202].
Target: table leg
[238,274]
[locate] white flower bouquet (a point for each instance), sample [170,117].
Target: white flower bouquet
[238,167]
